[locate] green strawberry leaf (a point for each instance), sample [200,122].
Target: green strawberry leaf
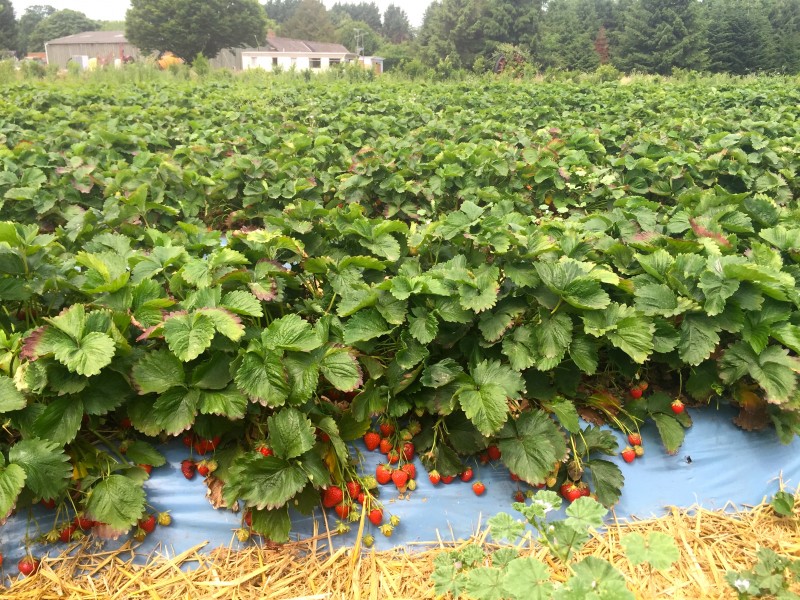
[291,434]
[607,479]
[365,325]
[624,328]
[47,467]
[291,333]
[141,453]
[10,397]
[241,302]
[531,445]
[274,525]
[783,504]
[188,335]
[158,371]
[225,322]
[230,403]
[175,410]
[263,378]
[670,430]
[340,367]
[440,374]
[263,482]
[12,480]
[60,420]
[773,369]
[117,501]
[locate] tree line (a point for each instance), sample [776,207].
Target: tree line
[652,36]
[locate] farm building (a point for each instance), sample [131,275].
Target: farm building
[285,53]
[106,46]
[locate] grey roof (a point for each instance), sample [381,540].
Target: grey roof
[93,37]
[281,44]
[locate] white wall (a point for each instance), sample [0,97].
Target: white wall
[256,61]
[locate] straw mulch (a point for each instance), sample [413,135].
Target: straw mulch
[710,543]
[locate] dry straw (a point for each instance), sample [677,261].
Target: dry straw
[710,544]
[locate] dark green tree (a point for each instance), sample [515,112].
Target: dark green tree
[191,27]
[310,21]
[60,24]
[784,17]
[452,33]
[396,27]
[569,30]
[660,35]
[512,22]
[8,26]
[281,11]
[740,37]
[32,16]
[351,33]
[366,12]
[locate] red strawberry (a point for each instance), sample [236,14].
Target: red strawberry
[635,393]
[410,469]
[213,442]
[447,478]
[66,533]
[27,565]
[188,468]
[125,423]
[467,474]
[677,407]
[393,457]
[332,496]
[343,510]
[48,503]
[361,498]
[408,451]
[385,446]
[478,488]
[514,477]
[81,522]
[372,440]
[519,496]
[434,477]
[148,524]
[248,518]
[353,488]
[324,437]
[585,491]
[483,457]
[571,492]
[376,516]
[265,450]
[387,429]
[628,454]
[383,473]
[634,439]
[147,468]
[494,452]
[187,440]
[400,478]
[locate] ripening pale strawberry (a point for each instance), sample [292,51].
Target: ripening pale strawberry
[164,519]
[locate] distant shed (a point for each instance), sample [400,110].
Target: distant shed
[104,45]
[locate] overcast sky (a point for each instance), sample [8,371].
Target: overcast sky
[114,10]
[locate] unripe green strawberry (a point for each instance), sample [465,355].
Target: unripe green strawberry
[394,520]
[164,519]
[242,535]
[411,485]
[387,530]
[368,540]
[414,427]
[369,482]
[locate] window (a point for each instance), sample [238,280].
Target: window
[274,61]
[316,63]
[334,61]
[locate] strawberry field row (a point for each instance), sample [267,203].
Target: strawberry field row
[473,266]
